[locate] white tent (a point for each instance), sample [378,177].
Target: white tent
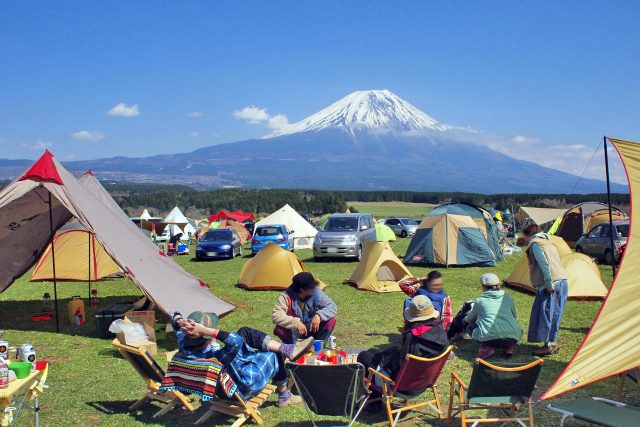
[145,215]
[539,215]
[178,223]
[47,196]
[303,231]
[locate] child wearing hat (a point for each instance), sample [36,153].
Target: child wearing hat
[251,357]
[493,319]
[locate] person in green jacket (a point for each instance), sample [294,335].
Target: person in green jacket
[493,319]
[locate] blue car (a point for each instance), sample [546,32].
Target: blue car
[277,234]
[223,243]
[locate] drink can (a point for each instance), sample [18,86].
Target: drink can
[332,342]
[4,349]
[29,356]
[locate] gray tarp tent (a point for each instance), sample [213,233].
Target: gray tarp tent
[47,196]
[538,215]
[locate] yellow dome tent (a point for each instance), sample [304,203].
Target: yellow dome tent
[380,270]
[582,271]
[79,256]
[272,268]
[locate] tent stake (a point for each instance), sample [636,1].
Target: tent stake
[613,245]
[53,264]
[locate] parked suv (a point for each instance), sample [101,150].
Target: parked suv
[343,235]
[597,242]
[403,227]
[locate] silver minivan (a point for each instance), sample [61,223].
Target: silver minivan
[343,236]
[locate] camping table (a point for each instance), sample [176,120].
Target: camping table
[16,396]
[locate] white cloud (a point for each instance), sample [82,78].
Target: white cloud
[87,135]
[124,110]
[258,115]
[252,114]
[195,114]
[195,134]
[38,145]
[277,122]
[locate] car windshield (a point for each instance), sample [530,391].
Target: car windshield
[341,223]
[408,221]
[623,230]
[268,231]
[216,236]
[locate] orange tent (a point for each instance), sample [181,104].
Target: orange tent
[242,232]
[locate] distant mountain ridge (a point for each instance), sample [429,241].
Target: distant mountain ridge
[368,140]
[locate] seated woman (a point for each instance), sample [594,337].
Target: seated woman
[493,319]
[251,357]
[422,336]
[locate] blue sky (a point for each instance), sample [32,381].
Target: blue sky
[548,79]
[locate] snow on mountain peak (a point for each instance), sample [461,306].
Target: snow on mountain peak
[366,110]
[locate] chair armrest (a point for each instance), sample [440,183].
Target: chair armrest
[456,378]
[385,378]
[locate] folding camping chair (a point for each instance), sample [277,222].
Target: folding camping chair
[596,410]
[243,410]
[503,386]
[334,390]
[416,376]
[152,374]
[633,375]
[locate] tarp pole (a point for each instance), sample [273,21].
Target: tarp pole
[612,242]
[53,264]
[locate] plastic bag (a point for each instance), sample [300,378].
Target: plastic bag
[132,331]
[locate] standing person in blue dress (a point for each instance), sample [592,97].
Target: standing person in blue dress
[549,278]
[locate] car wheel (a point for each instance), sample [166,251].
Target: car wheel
[317,259]
[579,249]
[359,256]
[403,234]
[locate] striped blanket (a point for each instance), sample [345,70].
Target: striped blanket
[203,377]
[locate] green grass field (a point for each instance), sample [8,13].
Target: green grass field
[91,385]
[388,209]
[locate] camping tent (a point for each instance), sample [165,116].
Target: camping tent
[242,232]
[178,223]
[384,233]
[235,215]
[612,343]
[304,233]
[47,196]
[540,216]
[583,273]
[449,240]
[271,268]
[379,270]
[480,216]
[581,218]
[79,256]
[145,216]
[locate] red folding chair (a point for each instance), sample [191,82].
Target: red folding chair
[416,376]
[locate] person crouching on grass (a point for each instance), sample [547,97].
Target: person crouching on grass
[493,319]
[250,357]
[432,287]
[303,310]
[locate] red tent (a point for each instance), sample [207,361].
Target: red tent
[235,215]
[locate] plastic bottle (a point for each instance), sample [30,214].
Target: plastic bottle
[4,373]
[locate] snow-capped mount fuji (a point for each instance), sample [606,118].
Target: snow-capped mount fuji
[367,110]
[368,140]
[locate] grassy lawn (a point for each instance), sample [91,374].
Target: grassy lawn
[388,209]
[91,385]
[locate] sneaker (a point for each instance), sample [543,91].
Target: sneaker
[294,351]
[485,352]
[288,399]
[546,350]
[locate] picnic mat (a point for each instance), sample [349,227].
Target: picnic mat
[203,377]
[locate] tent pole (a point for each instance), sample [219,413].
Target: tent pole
[89,258]
[611,241]
[53,265]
